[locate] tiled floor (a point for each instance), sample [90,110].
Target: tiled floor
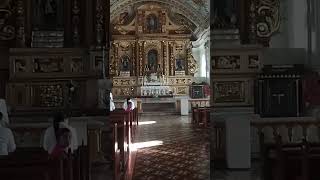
[169,147]
[252,174]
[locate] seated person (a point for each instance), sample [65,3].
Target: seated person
[50,136]
[63,143]
[7,143]
[128,105]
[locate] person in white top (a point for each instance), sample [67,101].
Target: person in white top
[50,138]
[112,106]
[7,143]
[128,105]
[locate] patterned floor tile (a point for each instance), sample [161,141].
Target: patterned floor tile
[184,153]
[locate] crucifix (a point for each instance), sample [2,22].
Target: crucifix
[279,97]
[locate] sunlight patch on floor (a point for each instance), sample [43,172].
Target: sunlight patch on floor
[147,122]
[146,144]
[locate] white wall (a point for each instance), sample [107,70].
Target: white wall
[293,30]
[201,55]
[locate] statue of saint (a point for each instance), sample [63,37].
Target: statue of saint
[152,59]
[152,23]
[179,65]
[125,63]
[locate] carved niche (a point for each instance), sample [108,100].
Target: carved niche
[153,60]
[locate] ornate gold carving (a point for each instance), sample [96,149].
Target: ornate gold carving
[226,62]
[141,44]
[20,24]
[265,19]
[171,59]
[123,91]
[182,90]
[229,91]
[7,31]
[48,65]
[51,95]
[76,65]
[20,65]
[254,61]
[192,64]
[124,82]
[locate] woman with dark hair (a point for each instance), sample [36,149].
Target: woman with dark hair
[51,136]
[63,136]
[128,105]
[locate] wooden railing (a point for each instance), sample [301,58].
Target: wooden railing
[289,149]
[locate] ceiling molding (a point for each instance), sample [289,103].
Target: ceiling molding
[194,10]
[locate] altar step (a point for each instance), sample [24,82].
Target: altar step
[156,108]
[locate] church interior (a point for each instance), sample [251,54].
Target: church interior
[159,89]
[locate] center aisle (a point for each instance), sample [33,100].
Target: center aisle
[169,147]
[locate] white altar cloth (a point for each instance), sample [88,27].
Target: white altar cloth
[155,90]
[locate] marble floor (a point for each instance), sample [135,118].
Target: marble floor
[169,147]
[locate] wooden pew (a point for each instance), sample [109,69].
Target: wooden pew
[35,163]
[121,128]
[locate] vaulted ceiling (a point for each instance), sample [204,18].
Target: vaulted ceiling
[196,11]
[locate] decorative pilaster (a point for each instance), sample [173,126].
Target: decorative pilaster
[165,61]
[75,23]
[252,23]
[140,58]
[171,59]
[133,46]
[99,23]
[20,24]
[116,58]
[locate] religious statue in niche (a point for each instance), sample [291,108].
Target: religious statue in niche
[125,61]
[152,23]
[232,91]
[180,64]
[152,60]
[20,65]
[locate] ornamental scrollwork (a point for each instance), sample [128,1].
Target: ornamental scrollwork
[267,18]
[192,64]
[7,31]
